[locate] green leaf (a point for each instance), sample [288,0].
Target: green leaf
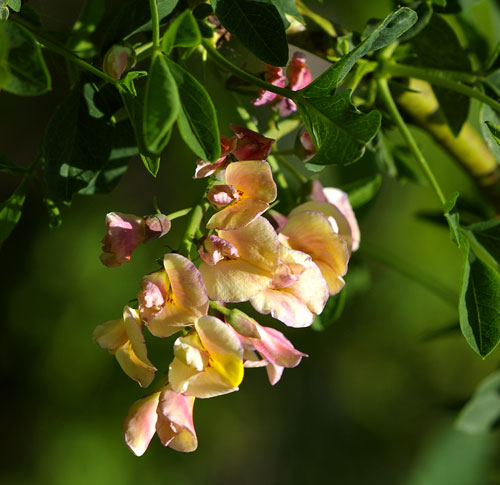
[331,313]
[161,105]
[424,13]
[29,75]
[182,32]
[450,203]
[89,18]
[488,235]
[53,213]
[482,412]
[364,190]
[4,56]
[494,130]
[9,167]
[487,117]
[339,131]
[197,118]
[479,307]
[133,17]
[152,164]
[14,5]
[389,30]
[10,211]
[437,46]
[76,144]
[287,7]
[452,218]
[258,26]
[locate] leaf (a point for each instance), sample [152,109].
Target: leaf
[389,30]
[10,211]
[482,412]
[133,17]
[76,145]
[424,13]
[89,18]
[487,233]
[4,56]
[364,190]
[182,32]
[494,130]
[53,213]
[452,218]
[437,46]
[488,116]
[197,118]
[258,26]
[339,131]
[479,308]
[29,75]
[14,5]
[9,167]
[152,164]
[161,105]
[287,7]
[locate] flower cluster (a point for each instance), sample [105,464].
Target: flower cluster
[285,266]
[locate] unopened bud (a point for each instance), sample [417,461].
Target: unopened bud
[4,12]
[117,60]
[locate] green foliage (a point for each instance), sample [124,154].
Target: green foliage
[4,56]
[182,32]
[494,130]
[161,105]
[479,309]
[8,166]
[337,128]
[331,313]
[53,213]
[364,190]
[489,118]
[197,117]
[452,218]
[287,7]
[29,75]
[14,5]
[10,211]
[482,412]
[258,26]
[389,30]
[437,46]
[488,235]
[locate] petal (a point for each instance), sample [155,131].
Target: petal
[340,223]
[274,373]
[215,249]
[222,194]
[141,372]
[341,200]
[253,178]
[251,145]
[189,351]
[110,335]
[175,426]
[311,233]
[276,348]
[140,424]
[237,215]
[298,73]
[124,232]
[218,337]
[133,326]
[156,225]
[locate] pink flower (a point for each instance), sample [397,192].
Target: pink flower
[299,77]
[165,412]
[251,145]
[276,350]
[124,232]
[308,145]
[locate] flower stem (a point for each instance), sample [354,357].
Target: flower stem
[440,78]
[197,213]
[221,309]
[178,214]
[386,96]
[62,51]
[288,93]
[155,22]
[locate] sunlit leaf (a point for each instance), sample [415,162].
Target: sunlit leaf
[182,32]
[364,190]
[488,235]
[10,211]
[53,212]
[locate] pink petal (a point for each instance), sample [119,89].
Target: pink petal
[175,426]
[140,424]
[124,232]
[251,145]
[222,194]
[276,348]
[215,249]
[298,73]
[156,225]
[274,373]
[275,76]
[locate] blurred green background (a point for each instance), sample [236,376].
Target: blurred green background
[374,403]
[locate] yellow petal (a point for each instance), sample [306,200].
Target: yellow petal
[238,214]
[253,178]
[136,369]
[140,424]
[110,335]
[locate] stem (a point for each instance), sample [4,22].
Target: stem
[287,93]
[386,95]
[193,225]
[178,214]
[411,272]
[143,51]
[221,309]
[155,22]
[438,77]
[58,49]
[291,169]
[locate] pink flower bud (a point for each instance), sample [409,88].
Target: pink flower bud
[251,145]
[117,60]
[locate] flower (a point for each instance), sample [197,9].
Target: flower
[165,412]
[297,293]
[118,59]
[207,169]
[247,193]
[124,232]
[340,200]
[299,77]
[244,264]
[124,339]
[208,361]
[312,232]
[173,297]
[276,350]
